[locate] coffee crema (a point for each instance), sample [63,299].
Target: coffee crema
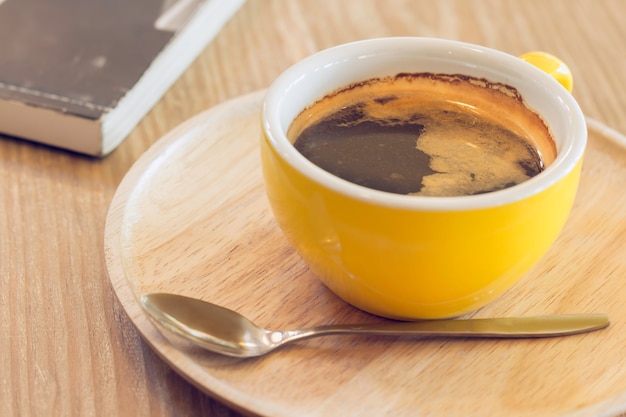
[425,134]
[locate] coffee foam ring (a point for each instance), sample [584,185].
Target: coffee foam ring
[496,102]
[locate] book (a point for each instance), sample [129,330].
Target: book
[80,75]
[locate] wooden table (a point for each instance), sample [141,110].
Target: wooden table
[67,347]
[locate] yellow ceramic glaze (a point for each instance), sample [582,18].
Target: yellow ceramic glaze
[551,65]
[409,264]
[411,257]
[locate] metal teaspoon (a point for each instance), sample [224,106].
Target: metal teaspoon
[227,332]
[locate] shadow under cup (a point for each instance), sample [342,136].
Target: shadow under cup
[413,257]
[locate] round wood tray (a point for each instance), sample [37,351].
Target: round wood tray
[191,217]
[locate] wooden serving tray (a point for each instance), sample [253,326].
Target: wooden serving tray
[191,217]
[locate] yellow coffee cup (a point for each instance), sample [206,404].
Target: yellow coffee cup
[414,257]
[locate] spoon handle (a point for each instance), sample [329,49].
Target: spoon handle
[513,327]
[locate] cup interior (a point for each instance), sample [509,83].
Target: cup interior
[320,74]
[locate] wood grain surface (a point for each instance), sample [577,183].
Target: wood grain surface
[67,346]
[191,217]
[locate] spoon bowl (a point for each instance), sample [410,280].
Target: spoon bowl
[227,332]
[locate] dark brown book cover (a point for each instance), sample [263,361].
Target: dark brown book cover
[81,59]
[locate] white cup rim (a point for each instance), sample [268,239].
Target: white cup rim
[298,87]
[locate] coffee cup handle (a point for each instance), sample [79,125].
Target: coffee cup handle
[551,65]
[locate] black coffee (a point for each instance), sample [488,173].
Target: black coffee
[411,134]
